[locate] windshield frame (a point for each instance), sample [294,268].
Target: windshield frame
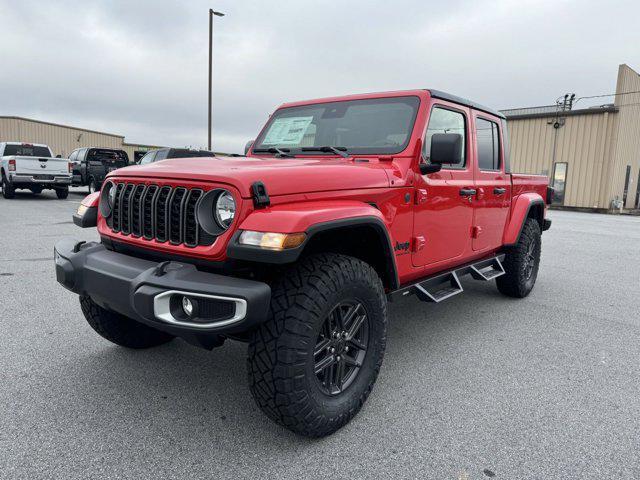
[373,150]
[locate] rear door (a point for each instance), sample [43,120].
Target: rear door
[493,185]
[443,213]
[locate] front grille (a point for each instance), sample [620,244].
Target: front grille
[164,214]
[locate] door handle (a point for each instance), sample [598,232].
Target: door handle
[499,191]
[467,192]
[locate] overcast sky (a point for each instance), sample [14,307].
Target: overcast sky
[139,69]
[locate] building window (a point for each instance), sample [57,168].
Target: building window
[627,178]
[488,145]
[559,182]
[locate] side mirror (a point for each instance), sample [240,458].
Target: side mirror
[247,147]
[446,148]
[427,168]
[58,156]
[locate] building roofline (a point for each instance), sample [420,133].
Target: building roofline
[146,145]
[13,117]
[566,113]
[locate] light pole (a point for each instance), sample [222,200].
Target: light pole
[211,14]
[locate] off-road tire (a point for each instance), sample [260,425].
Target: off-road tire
[281,358]
[515,282]
[119,329]
[62,193]
[8,191]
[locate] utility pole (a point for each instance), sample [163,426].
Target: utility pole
[211,14]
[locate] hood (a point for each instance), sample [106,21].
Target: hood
[281,176]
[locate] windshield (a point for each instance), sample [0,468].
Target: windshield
[26,151]
[371,126]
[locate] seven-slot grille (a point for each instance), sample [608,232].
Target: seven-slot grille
[164,214]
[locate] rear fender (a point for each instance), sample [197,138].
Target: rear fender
[526,205]
[315,219]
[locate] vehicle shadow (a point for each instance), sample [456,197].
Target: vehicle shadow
[27,195]
[181,388]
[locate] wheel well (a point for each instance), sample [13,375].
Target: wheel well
[364,242]
[536,211]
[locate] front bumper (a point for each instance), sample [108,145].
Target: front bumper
[142,290]
[44,179]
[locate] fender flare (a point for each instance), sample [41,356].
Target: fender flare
[311,218]
[521,211]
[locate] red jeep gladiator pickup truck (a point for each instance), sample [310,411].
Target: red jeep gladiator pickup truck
[339,205]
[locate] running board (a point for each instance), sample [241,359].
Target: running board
[442,286]
[487,269]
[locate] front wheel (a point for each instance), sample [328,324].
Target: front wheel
[314,362]
[522,262]
[119,329]
[93,185]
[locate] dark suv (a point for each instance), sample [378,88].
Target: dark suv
[164,153]
[91,165]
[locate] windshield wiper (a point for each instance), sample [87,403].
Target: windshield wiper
[327,149]
[280,152]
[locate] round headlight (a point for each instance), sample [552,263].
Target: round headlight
[107,198]
[225,209]
[111,198]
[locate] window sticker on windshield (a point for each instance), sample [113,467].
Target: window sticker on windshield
[287,131]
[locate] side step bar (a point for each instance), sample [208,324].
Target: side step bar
[445,285]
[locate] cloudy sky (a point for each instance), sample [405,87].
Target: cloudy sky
[139,69]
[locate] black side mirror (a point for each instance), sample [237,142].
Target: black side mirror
[247,147]
[446,148]
[427,168]
[58,156]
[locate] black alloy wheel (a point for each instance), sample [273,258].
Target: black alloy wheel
[341,347]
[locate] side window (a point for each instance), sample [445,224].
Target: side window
[488,144]
[161,154]
[443,120]
[148,158]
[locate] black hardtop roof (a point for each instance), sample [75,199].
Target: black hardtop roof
[463,101]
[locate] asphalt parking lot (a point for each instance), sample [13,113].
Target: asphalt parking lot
[480,386]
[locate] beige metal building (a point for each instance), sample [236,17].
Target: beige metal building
[592,155]
[63,139]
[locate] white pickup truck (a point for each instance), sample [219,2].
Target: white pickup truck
[32,166]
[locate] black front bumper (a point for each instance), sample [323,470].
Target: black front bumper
[133,286]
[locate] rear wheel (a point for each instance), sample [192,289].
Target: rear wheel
[313,364]
[119,329]
[522,262]
[62,193]
[7,189]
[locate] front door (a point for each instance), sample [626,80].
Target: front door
[444,203]
[493,186]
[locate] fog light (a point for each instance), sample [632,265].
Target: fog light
[187,306]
